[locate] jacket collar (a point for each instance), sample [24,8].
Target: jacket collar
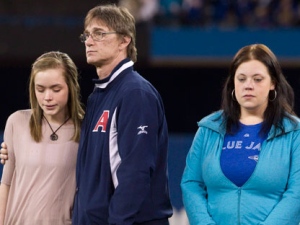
[124,64]
[215,122]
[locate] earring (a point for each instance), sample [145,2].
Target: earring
[275,95]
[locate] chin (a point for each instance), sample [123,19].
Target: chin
[249,107]
[94,63]
[89,61]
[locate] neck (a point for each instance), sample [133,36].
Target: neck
[56,119]
[105,69]
[103,72]
[54,135]
[251,119]
[252,116]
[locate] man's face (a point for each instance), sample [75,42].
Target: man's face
[102,44]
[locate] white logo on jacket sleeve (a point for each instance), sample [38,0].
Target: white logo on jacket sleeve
[142,130]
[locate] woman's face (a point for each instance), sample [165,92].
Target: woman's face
[52,92]
[252,83]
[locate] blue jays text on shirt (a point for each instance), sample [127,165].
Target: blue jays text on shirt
[246,141]
[239,145]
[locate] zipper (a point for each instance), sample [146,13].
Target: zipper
[239,205]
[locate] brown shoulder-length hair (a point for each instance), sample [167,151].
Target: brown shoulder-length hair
[281,101]
[52,60]
[117,18]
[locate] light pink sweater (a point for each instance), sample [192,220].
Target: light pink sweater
[41,175]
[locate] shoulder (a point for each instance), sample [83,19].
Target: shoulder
[136,86]
[292,123]
[213,122]
[289,124]
[134,79]
[216,117]
[20,116]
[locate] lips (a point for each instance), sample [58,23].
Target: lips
[248,96]
[90,52]
[49,107]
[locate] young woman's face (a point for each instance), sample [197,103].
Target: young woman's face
[52,93]
[252,83]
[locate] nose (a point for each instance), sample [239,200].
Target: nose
[48,96]
[249,84]
[89,41]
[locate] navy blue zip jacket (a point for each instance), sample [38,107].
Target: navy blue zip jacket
[121,169]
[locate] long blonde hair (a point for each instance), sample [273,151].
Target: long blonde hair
[51,60]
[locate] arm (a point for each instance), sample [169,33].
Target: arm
[8,169]
[192,184]
[3,153]
[140,154]
[287,211]
[4,190]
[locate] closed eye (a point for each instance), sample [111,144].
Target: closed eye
[257,80]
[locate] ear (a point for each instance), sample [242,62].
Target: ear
[272,86]
[125,41]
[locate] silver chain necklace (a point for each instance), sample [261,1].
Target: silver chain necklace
[54,136]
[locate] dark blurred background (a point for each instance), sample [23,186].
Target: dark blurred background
[184,49]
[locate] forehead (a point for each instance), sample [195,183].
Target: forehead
[96,24]
[50,77]
[252,67]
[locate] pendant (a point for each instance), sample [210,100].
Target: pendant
[53,137]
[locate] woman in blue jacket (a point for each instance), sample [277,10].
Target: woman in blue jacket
[243,167]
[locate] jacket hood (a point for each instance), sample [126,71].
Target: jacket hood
[288,125]
[215,122]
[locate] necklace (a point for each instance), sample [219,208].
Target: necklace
[54,136]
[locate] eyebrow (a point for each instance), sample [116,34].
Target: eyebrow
[95,29]
[253,75]
[52,86]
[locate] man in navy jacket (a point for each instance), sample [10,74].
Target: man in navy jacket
[122,159]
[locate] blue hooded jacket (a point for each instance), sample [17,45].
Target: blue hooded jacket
[271,196]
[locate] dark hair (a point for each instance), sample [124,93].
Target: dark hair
[280,105]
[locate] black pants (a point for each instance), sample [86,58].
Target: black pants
[155,222]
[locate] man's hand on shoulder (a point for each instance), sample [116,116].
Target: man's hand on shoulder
[3,153]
